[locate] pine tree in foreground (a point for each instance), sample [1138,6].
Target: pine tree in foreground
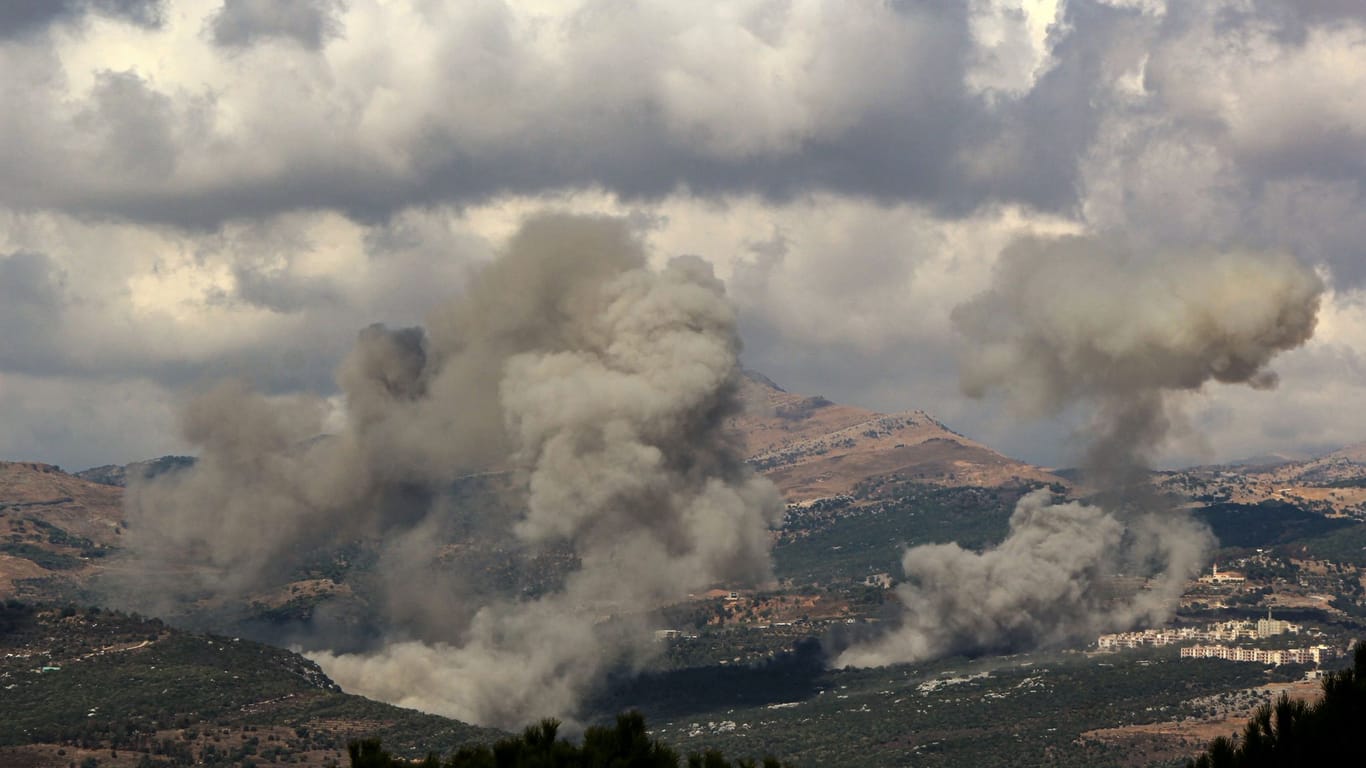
[1293,733]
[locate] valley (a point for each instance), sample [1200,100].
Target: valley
[741,668]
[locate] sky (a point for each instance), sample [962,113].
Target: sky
[194,189]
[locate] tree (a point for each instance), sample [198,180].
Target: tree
[626,745]
[1293,733]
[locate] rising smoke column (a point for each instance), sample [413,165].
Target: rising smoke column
[622,439]
[1083,319]
[599,382]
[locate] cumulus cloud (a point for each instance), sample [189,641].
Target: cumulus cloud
[309,23]
[22,17]
[220,166]
[600,383]
[1217,132]
[643,99]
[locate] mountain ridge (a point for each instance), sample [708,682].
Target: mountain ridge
[813,448]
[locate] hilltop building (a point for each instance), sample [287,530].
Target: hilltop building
[1227,577]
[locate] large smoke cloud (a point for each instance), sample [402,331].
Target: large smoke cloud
[1083,319]
[600,385]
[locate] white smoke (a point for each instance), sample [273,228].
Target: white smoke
[1083,319]
[603,385]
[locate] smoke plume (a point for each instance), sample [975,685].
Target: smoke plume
[598,384]
[1079,319]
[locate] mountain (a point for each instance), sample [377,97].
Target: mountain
[1332,483]
[55,528]
[119,475]
[813,448]
[863,486]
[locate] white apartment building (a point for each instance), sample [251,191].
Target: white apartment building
[1313,655]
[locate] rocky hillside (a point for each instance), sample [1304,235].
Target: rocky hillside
[120,475]
[55,528]
[813,448]
[1333,483]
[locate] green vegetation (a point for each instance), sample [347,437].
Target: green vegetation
[99,679]
[824,546]
[30,545]
[1267,524]
[1294,733]
[627,745]
[60,536]
[335,563]
[52,561]
[732,687]
[1346,544]
[113,474]
[1023,710]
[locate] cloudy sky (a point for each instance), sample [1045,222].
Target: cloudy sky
[197,188]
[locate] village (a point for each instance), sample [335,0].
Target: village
[1296,585]
[1259,581]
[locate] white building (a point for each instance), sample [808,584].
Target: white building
[880,580]
[1275,657]
[1227,577]
[1224,631]
[1269,627]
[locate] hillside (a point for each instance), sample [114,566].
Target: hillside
[55,528]
[91,683]
[119,475]
[813,448]
[1333,483]
[861,486]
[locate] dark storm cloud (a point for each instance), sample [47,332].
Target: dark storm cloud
[241,23]
[22,17]
[910,143]
[903,127]
[1227,124]
[1040,138]
[887,157]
